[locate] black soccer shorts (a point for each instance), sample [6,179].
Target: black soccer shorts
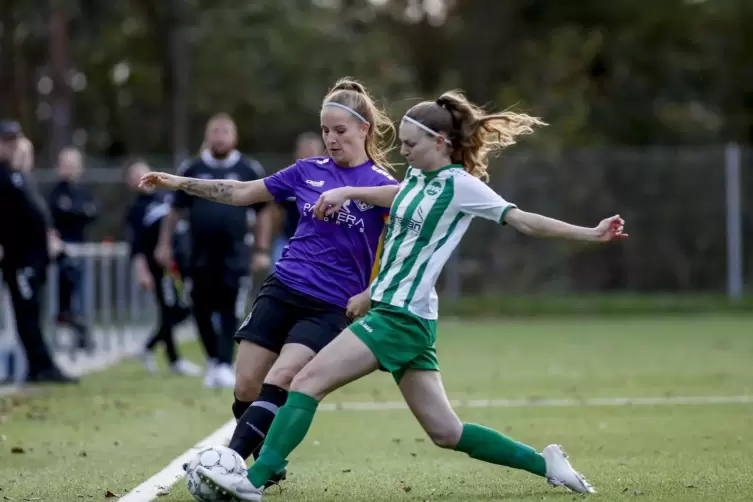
[283,315]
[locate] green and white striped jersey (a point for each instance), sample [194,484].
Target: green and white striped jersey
[429,216]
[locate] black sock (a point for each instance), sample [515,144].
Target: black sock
[253,426]
[240,407]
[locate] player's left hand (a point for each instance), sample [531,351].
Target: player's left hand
[358,305]
[330,202]
[610,229]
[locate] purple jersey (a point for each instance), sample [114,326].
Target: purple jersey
[329,259]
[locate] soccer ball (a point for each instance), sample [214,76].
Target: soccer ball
[215,457]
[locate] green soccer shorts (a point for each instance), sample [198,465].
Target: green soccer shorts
[398,339]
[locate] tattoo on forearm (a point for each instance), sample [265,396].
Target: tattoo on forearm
[220,191]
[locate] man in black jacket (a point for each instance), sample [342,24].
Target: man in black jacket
[26,244]
[220,256]
[72,209]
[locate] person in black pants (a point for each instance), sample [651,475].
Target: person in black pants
[72,209]
[26,244]
[143,220]
[220,254]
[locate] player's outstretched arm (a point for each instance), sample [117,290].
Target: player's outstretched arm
[332,200]
[537,225]
[236,193]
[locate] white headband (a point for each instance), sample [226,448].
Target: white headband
[425,128]
[347,109]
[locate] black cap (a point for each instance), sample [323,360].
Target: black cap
[10,129]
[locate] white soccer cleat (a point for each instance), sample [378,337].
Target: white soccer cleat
[235,485]
[184,367]
[224,376]
[559,472]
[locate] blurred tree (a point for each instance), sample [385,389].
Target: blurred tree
[603,73]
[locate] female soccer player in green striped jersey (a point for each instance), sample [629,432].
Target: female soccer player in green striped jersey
[446,142]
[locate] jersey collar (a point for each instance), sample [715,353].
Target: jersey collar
[432,174]
[229,161]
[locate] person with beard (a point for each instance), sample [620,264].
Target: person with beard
[220,257]
[27,243]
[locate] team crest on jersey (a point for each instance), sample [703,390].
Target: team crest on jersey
[434,189]
[363,206]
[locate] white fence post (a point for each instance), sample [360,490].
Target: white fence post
[732,164]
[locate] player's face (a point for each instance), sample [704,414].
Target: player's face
[221,136]
[344,135]
[421,150]
[135,172]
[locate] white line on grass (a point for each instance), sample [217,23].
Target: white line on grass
[167,477]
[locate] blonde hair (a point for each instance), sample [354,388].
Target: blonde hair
[473,134]
[381,134]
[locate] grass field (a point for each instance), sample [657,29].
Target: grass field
[120,427]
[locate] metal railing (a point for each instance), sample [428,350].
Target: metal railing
[116,310]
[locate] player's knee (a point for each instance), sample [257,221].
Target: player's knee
[307,381]
[247,384]
[445,435]
[281,376]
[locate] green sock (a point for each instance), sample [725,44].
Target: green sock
[287,431]
[488,445]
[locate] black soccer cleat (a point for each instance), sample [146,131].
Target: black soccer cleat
[277,478]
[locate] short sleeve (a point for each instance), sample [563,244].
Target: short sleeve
[282,185]
[474,197]
[385,178]
[181,199]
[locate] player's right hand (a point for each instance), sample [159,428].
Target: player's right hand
[164,255]
[154,180]
[358,305]
[330,202]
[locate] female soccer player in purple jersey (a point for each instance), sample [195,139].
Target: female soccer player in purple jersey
[320,282]
[446,143]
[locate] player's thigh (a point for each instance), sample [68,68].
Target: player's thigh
[307,338]
[271,318]
[342,361]
[426,397]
